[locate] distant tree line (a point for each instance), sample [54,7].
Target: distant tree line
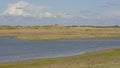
[56,25]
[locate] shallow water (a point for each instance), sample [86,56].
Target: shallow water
[12,49]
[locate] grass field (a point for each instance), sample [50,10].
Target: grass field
[58,32]
[109,58]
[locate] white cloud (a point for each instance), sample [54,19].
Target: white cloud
[23,8]
[64,15]
[48,14]
[17,9]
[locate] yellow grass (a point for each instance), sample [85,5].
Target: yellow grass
[58,32]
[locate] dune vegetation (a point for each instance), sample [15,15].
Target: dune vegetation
[58,32]
[109,58]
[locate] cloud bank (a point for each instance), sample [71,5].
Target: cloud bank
[23,8]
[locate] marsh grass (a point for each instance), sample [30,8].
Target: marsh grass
[58,32]
[100,59]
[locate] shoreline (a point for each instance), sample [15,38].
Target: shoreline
[102,58]
[4,37]
[32,59]
[39,59]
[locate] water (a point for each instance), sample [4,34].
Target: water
[12,49]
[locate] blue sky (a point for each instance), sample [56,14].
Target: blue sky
[89,12]
[69,5]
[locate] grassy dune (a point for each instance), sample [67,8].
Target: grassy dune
[109,58]
[58,32]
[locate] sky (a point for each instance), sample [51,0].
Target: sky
[62,12]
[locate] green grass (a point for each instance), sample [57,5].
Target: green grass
[109,58]
[58,32]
